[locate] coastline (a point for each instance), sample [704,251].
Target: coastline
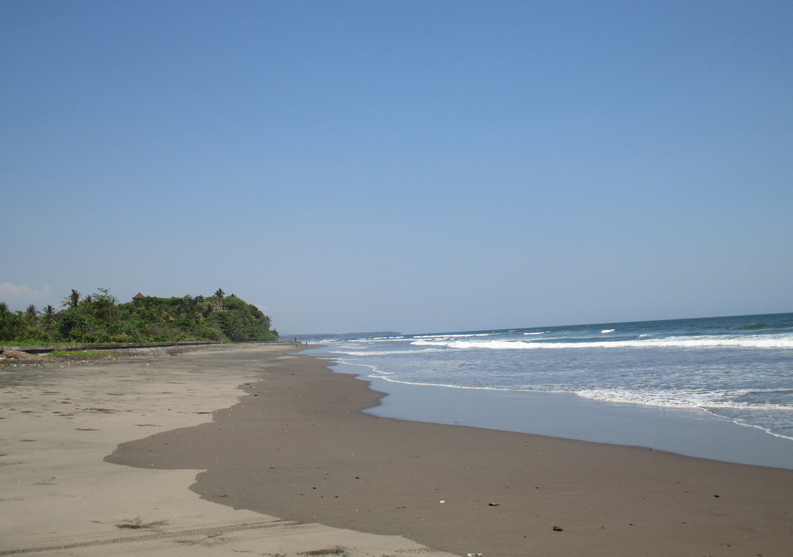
[298,446]
[685,431]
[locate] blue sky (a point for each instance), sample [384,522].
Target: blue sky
[411,166]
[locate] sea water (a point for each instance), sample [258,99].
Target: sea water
[671,376]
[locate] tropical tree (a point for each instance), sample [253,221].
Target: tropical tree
[104,303]
[31,312]
[49,313]
[192,305]
[12,324]
[72,300]
[219,295]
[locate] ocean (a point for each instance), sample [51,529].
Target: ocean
[713,387]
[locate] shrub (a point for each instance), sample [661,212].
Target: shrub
[74,323]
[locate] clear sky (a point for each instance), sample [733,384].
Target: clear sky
[395,165]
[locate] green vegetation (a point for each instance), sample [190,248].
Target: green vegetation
[83,353]
[100,318]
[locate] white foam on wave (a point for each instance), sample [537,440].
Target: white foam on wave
[370,340]
[671,399]
[744,423]
[368,366]
[455,335]
[384,352]
[706,400]
[664,399]
[446,385]
[765,429]
[782,341]
[605,331]
[540,333]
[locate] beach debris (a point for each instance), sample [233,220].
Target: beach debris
[17,355]
[442,501]
[138,524]
[717,496]
[493,504]
[557,529]
[332,551]
[473,555]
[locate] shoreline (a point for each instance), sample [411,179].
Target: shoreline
[689,431]
[298,446]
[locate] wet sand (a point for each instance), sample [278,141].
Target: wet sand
[298,447]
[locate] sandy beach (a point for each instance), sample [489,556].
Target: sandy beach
[125,453]
[59,497]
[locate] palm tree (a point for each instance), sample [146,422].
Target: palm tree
[49,313]
[30,314]
[73,300]
[219,294]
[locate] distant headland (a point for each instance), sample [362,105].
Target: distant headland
[101,318]
[342,336]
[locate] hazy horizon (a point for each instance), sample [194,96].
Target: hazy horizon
[503,329]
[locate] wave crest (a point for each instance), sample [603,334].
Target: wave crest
[784,342]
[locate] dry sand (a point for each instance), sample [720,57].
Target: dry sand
[59,497]
[298,447]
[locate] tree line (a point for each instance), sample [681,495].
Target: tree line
[100,318]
